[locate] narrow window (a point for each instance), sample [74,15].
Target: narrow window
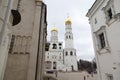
[54,65]
[59,47]
[102,40]
[54,46]
[110,15]
[12,44]
[95,21]
[71,53]
[66,53]
[69,37]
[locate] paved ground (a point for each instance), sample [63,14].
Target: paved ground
[75,76]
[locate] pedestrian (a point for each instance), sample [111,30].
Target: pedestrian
[84,78]
[56,73]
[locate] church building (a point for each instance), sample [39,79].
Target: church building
[57,57]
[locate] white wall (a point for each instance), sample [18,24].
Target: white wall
[107,60]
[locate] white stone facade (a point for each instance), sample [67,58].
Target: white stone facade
[54,57]
[59,58]
[104,17]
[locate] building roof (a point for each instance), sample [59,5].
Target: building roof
[93,7]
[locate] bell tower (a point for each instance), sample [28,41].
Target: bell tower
[70,59]
[54,35]
[68,34]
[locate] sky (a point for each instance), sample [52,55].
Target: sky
[59,10]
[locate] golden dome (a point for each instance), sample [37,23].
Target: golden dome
[54,29]
[68,21]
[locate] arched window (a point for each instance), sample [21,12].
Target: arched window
[71,53]
[54,46]
[69,36]
[66,53]
[60,44]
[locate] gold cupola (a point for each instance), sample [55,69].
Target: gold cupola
[68,21]
[54,29]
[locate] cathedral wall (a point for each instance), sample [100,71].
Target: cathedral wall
[23,50]
[21,36]
[27,10]
[17,67]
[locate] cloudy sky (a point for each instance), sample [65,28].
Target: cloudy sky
[57,12]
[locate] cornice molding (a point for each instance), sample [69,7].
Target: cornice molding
[94,7]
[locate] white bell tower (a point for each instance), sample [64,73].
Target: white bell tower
[70,59]
[54,35]
[68,34]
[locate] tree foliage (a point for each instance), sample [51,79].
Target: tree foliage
[88,66]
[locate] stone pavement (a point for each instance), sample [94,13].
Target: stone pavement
[76,76]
